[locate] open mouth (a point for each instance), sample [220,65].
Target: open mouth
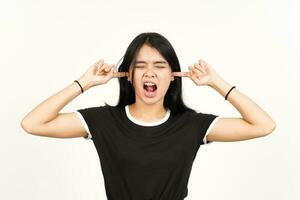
[149,87]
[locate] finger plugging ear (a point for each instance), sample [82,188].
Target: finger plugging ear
[191,70]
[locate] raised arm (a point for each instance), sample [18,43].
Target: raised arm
[45,119]
[254,123]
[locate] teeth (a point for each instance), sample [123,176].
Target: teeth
[149,84]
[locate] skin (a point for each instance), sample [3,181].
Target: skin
[160,73]
[254,122]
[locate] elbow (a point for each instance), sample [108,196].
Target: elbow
[272,127]
[25,126]
[269,129]
[31,128]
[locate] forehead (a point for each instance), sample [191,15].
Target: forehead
[148,54]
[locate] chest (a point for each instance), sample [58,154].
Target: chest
[171,151]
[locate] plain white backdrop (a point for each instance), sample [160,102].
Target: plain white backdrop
[45,45]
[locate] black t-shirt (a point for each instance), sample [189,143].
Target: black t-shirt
[142,162]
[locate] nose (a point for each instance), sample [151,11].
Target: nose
[149,73]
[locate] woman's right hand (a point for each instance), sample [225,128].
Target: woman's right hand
[99,73]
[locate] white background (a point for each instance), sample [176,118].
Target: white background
[45,45]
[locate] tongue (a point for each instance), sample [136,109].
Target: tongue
[150,88]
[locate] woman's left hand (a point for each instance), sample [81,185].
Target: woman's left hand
[201,73]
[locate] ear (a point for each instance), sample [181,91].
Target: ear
[172,77]
[128,77]
[129,74]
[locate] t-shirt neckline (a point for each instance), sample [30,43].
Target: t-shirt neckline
[141,123]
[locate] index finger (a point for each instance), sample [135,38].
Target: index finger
[120,74]
[181,74]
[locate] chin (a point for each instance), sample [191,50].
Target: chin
[151,99]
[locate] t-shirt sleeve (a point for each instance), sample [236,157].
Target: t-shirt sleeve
[206,122]
[87,117]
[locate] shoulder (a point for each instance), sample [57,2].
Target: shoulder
[202,118]
[96,110]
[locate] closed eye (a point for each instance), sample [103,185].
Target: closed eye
[156,66]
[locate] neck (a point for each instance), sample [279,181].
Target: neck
[147,113]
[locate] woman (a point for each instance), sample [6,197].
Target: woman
[148,141]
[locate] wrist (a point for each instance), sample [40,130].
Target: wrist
[84,84]
[220,85]
[215,81]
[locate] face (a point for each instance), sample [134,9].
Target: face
[150,68]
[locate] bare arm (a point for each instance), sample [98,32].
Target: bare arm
[45,119]
[255,122]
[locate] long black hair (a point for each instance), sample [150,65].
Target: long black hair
[173,98]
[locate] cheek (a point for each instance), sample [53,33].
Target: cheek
[165,82]
[137,79]
[165,77]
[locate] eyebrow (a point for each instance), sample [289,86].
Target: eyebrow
[156,62]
